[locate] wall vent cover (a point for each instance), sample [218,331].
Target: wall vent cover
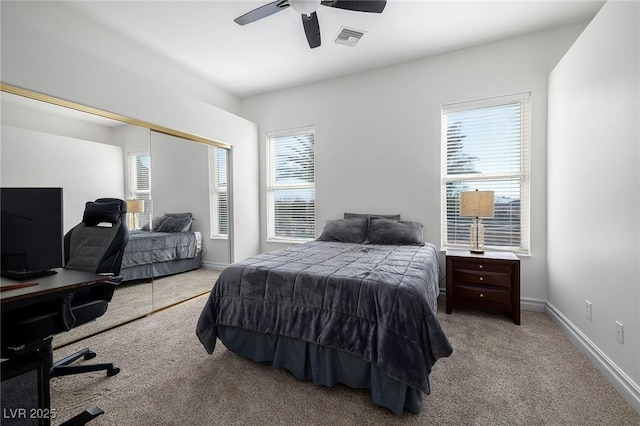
[349,37]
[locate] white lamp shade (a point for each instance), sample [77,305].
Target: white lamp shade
[135,206]
[476,203]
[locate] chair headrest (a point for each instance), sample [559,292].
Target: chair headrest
[109,210]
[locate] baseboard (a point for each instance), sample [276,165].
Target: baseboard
[529,304]
[629,390]
[214,266]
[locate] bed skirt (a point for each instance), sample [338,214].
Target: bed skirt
[324,366]
[160,269]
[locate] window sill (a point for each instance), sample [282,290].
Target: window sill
[520,254]
[289,240]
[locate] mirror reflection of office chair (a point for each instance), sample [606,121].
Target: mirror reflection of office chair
[94,245]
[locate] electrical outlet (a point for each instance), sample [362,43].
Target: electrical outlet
[619,332]
[588,311]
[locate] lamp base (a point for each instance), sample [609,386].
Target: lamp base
[477,236]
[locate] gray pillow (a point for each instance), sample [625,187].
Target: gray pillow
[345,230]
[156,221]
[394,232]
[369,215]
[175,222]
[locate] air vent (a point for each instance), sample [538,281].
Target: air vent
[349,37]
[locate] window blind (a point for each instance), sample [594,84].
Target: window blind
[291,185]
[140,182]
[218,194]
[485,146]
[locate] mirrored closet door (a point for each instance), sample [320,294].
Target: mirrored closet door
[45,144]
[190,217]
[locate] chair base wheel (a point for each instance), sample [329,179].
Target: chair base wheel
[113,371]
[89,355]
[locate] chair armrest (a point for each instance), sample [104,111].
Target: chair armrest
[115,280]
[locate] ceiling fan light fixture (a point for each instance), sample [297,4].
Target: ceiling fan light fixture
[305,7]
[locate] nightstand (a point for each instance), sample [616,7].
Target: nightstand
[489,281]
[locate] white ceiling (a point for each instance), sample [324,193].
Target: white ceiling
[273,53]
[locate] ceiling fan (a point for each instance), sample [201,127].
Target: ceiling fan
[307,9]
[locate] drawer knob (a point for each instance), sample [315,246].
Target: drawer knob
[480,266]
[481,295]
[481,279]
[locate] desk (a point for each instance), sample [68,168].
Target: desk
[34,354]
[51,286]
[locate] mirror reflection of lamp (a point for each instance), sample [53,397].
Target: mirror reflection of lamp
[133,208]
[477,204]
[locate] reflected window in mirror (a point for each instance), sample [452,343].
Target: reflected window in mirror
[139,188]
[218,195]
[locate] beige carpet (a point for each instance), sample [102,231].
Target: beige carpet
[132,300]
[499,374]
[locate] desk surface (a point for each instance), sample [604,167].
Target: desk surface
[64,280]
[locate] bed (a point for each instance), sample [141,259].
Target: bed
[166,248]
[357,306]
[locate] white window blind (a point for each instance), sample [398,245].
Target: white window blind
[291,207]
[485,146]
[140,182]
[218,194]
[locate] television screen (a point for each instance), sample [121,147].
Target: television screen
[32,229]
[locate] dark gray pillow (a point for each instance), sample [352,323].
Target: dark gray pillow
[394,232]
[368,215]
[345,230]
[175,222]
[156,221]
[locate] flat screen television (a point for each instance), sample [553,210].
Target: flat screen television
[32,231]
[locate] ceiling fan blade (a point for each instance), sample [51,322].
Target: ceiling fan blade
[311,29]
[373,6]
[262,12]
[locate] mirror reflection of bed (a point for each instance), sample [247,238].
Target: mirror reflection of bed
[72,147]
[164,249]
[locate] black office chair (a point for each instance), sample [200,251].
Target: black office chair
[94,245]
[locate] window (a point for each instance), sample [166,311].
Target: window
[291,201]
[485,146]
[218,195]
[140,182]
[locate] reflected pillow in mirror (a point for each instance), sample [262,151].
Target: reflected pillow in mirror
[156,221]
[175,222]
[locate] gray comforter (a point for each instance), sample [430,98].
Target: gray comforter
[146,247]
[377,302]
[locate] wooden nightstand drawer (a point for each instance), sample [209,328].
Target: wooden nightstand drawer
[482,266]
[499,279]
[483,294]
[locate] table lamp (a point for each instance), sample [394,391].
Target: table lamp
[477,204]
[133,208]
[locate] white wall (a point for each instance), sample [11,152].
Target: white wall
[378,133]
[38,54]
[36,159]
[594,189]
